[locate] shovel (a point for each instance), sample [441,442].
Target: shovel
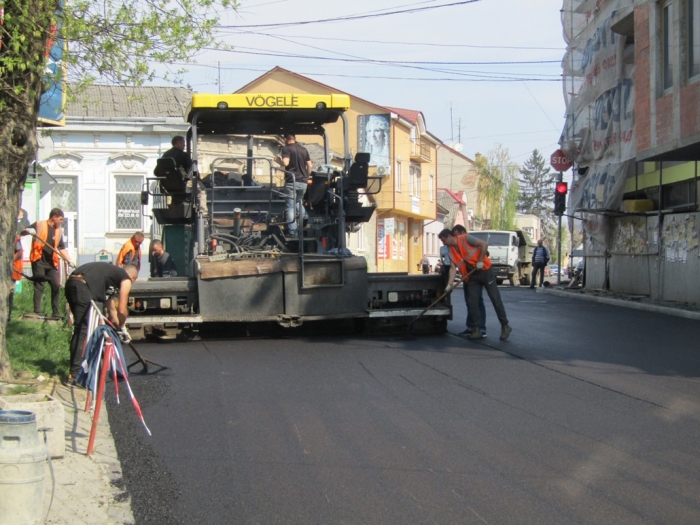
[447,291]
[70,264]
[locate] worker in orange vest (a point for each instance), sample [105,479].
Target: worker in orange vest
[47,247]
[469,253]
[131,251]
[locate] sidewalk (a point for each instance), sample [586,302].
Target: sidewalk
[87,488]
[639,302]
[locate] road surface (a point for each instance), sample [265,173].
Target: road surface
[589,414]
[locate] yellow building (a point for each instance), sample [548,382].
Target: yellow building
[401,150]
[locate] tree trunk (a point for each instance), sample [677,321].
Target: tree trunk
[21,72]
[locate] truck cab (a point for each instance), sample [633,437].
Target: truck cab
[510,252]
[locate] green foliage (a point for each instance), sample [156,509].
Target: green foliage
[37,347]
[24,300]
[537,193]
[113,41]
[498,188]
[119,40]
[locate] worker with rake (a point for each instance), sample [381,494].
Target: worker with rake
[468,253]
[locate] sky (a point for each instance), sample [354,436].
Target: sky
[482,72]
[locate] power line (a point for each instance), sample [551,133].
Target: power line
[541,108]
[350,17]
[378,77]
[355,58]
[404,43]
[510,76]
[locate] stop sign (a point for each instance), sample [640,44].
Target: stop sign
[559,161]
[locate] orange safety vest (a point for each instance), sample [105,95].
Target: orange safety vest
[38,246]
[130,250]
[465,256]
[17,266]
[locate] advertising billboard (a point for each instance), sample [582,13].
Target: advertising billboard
[53,100]
[374,138]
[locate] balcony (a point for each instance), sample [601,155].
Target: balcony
[420,152]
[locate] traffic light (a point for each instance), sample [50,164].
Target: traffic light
[560,198]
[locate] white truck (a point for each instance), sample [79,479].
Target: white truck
[510,252]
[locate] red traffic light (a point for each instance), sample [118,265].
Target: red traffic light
[562,188]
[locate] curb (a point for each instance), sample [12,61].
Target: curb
[621,302]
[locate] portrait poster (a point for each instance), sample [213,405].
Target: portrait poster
[374,137]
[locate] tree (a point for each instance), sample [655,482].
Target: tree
[117,41]
[537,192]
[498,187]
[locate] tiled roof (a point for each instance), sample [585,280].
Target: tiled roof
[317,155]
[128,101]
[407,114]
[453,195]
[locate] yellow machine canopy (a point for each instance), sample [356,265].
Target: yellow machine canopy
[265,113]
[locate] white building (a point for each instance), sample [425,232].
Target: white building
[97,165]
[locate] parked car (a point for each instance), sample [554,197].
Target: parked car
[553,269]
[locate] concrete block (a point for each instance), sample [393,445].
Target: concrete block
[49,414]
[637,205]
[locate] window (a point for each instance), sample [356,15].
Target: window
[397,177]
[414,180]
[65,194]
[678,195]
[693,38]
[494,239]
[128,202]
[418,182]
[667,45]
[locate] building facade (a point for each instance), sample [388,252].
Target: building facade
[95,167]
[632,74]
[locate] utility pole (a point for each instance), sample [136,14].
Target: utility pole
[452,126]
[560,179]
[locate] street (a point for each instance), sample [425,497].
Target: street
[589,413]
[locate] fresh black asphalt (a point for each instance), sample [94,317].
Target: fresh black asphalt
[590,413]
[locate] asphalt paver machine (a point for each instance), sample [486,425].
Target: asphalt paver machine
[225,225]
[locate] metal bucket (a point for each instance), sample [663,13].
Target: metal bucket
[22,469]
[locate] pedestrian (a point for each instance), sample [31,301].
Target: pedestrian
[469,253]
[444,264]
[17,268]
[540,258]
[47,246]
[297,165]
[22,220]
[578,274]
[99,282]
[162,264]
[425,264]
[458,229]
[131,251]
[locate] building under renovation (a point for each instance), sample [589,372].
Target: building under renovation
[632,89]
